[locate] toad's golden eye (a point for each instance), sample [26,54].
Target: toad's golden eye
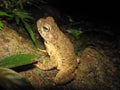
[46,28]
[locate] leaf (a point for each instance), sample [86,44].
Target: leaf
[17,20]
[11,80]
[1,25]
[75,32]
[82,45]
[17,60]
[2,13]
[30,31]
[22,14]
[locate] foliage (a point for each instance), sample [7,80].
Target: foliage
[11,80]
[1,25]
[82,45]
[75,32]
[13,10]
[17,60]
[73,28]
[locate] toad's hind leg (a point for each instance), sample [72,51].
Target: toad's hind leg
[64,76]
[47,66]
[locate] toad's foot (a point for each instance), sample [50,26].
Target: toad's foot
[64,76]
[42,50]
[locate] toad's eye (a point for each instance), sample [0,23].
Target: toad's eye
[45,28]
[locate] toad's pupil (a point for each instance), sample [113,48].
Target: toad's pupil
[45,28]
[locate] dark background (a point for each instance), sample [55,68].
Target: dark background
[100,12]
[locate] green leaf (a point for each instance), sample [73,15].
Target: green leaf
[30,31]
[17,20]
[2,13]
[1,25]
[22,14]
[75,32]
[82,45]
[11,80]
[17,60]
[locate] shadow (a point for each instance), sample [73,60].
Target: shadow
[23,68]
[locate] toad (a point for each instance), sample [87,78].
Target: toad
[59,48]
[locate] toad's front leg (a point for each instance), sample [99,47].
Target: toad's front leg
[47,65]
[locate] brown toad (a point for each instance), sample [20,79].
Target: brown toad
[60,50]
